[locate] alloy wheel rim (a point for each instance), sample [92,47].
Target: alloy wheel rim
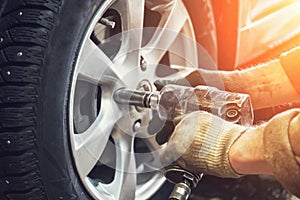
[106,138]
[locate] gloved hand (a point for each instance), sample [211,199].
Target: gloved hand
[192,77]
[282,148]
[201,142]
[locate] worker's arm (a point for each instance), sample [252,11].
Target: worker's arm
[269,84]
[205,143]
[271,148]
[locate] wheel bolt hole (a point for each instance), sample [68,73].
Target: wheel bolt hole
[143,64]
[137,125]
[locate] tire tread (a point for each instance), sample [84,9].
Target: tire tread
[25,28]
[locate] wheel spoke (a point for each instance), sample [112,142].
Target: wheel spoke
[132,14]
[180,73]
[94,64]
[172,21]
[89,145]
[150,161]
[124,184]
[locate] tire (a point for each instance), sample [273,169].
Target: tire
[41,49]
[203,19]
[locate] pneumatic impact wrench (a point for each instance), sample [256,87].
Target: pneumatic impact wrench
[173,101]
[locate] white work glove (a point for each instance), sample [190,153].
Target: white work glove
[200,143]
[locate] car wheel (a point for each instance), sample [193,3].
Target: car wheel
[62,136]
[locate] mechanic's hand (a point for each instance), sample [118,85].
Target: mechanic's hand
[200,143]
[281,148]
[192,77]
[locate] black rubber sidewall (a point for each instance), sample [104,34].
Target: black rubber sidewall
[60,177]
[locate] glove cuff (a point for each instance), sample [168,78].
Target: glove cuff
[210,147]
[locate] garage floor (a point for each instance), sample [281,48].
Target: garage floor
[246,188]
